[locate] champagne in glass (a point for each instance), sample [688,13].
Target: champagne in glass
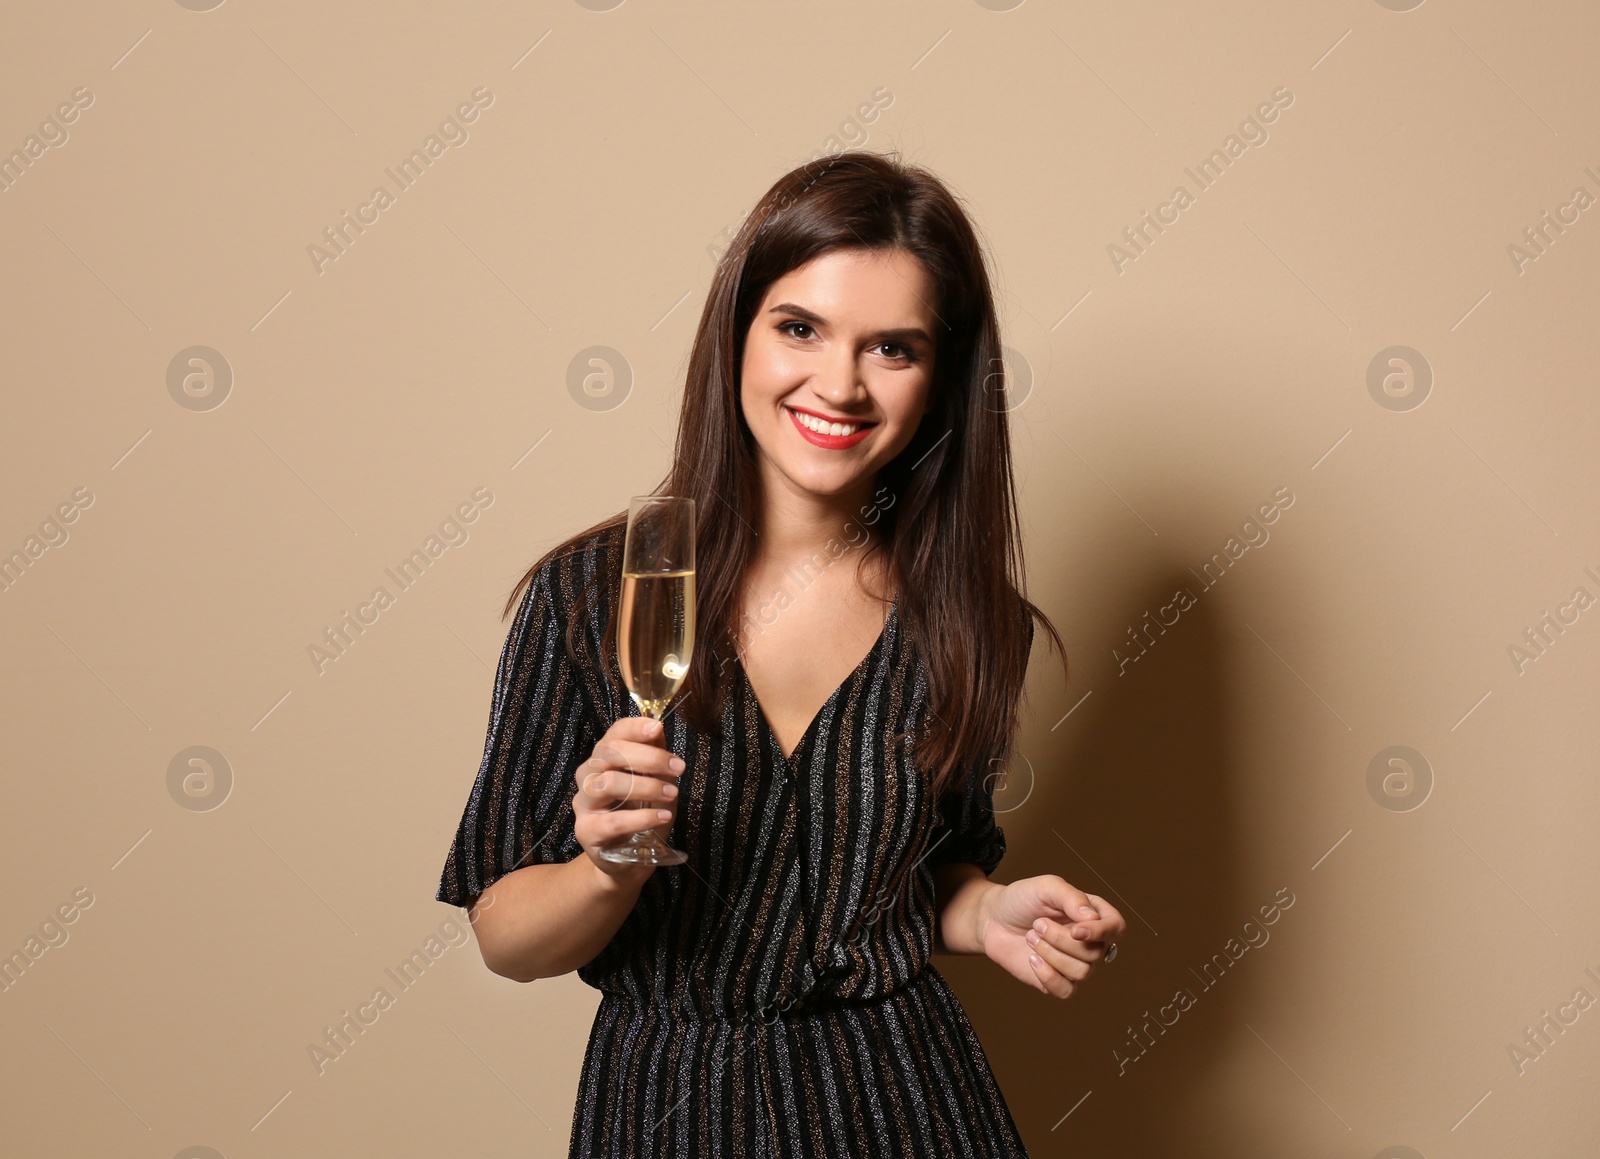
[655,631]
[656,636]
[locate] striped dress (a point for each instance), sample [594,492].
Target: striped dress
[773,996]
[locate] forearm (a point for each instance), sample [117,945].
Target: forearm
[542,921]
[961,900]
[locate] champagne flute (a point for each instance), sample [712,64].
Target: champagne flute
[655,634]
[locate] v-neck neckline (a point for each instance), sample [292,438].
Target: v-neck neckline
[761,713]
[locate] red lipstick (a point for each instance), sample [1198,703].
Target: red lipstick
[829,442]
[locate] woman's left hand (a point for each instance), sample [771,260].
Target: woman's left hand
[1047,933]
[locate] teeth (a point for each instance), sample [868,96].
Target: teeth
[811,422]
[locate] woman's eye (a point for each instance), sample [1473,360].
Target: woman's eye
[891,350]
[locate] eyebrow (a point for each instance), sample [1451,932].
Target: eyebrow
[901,334]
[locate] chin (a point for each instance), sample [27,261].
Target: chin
[831,490]
[825,486]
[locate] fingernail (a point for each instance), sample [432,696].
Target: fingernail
[669,790]
[676,764]
[664,814]
[1086,911]
[1033,937]
[1035,959]
[1041,925]
[1080,932]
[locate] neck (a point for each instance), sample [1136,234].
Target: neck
[795,525]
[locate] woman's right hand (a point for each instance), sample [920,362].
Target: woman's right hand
[627,785]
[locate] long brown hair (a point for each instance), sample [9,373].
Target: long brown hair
[951,535]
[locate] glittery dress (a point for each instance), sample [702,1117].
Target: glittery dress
[773,996]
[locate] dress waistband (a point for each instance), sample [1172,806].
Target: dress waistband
[782,1008]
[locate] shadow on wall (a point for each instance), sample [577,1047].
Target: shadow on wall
[1138,804]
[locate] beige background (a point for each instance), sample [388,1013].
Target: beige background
[1168,403]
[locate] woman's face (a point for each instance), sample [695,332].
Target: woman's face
[847,338]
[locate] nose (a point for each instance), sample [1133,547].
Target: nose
[841,383]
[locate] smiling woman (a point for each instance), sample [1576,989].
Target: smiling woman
[775,994]
[839,383]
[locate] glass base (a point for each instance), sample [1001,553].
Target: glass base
[644,849]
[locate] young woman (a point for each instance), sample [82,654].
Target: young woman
[828,764]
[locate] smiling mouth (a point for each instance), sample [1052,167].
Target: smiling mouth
[822,426]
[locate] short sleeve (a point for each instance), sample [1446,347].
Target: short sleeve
[968,831]
[540,729]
